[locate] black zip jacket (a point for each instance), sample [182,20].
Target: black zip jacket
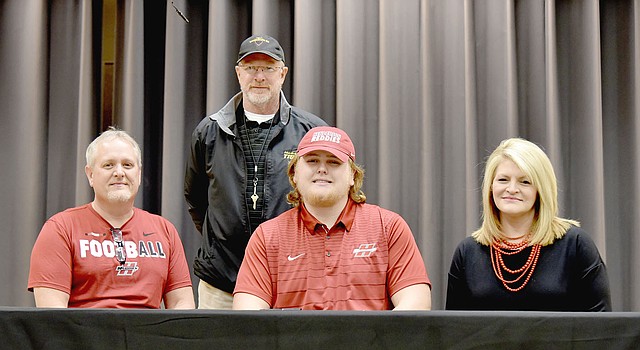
[216,181]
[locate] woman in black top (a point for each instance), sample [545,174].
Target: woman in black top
[525,257]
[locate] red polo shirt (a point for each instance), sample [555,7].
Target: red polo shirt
[294,261]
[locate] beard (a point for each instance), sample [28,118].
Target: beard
[324,198]
[119,196]
[263,98]
[259,99]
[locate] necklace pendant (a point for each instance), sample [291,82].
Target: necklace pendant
[254,197]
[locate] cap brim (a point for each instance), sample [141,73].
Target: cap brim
[339,154]
[270,54]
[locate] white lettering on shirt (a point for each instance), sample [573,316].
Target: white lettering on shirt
[106,248]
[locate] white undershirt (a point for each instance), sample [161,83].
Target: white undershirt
[259,118]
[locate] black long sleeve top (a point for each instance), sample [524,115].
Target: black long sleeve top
[569,276]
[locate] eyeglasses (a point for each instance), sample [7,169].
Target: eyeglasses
[119,245]
[264,69]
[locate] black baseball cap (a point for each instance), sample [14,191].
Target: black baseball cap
[261,44]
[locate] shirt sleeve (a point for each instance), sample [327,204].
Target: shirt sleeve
[196,180]
[179,275]
[593,281]
[51,258]
[406,266]
[457,291]
[254,277]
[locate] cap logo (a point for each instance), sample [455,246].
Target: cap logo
[326,136]
[259,41]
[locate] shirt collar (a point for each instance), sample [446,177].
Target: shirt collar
[345,219]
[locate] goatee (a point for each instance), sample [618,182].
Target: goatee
[119,196]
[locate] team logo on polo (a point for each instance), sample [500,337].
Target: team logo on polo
[365,250]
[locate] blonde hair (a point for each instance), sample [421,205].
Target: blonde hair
[532,160]
[355,191]
[112,133]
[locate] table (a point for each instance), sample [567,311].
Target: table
[31,328]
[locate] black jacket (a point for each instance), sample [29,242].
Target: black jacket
[216,181]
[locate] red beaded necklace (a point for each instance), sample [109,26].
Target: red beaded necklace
[500,248]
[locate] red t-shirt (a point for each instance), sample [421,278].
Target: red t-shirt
[75,253]
[293,261]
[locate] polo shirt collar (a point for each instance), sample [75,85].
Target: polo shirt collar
[345,219]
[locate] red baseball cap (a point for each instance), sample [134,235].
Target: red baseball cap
[330,139]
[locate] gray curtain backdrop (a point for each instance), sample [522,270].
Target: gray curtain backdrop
[426,89]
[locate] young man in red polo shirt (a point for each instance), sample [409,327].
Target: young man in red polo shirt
[331,251]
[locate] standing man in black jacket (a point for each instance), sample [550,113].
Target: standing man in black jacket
[236,176]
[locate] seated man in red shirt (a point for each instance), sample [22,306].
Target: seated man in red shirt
[331,251]
[107,253]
